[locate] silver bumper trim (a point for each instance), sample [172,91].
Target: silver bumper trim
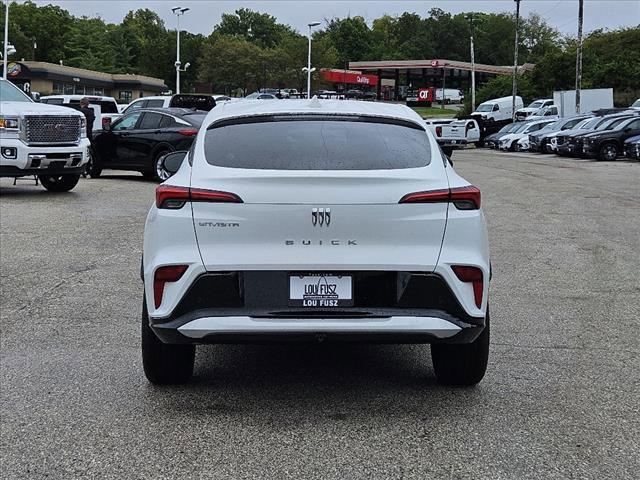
[202,327]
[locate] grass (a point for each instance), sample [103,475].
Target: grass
[429,112]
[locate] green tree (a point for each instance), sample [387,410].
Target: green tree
[350,37]
[259,28]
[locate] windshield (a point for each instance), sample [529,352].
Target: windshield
[317,142]
[557,125]
[591,123]
[10,93]
[485,107]
[609,123]
[636,103]
[536,104]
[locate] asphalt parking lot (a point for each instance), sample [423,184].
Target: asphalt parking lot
[560,398]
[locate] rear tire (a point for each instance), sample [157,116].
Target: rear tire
[164,364]
[159,172]
[462,364]
[59,183]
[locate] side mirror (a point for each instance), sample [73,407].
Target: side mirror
[35,96]
[106,127]
[171,161]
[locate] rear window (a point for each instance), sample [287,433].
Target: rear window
[317,143]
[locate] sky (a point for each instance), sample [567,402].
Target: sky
[204,14]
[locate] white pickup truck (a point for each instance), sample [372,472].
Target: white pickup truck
[457,133]
[44,140]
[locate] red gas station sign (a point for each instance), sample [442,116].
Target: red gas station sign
[334,76]
[425,94]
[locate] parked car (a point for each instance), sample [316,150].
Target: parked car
[457,133]
[497,109]
[632,147]
[291,92]
[532,108]
[540,141]
[49,141]
[139,139]
[608,144]
[257,241]
[261,96]
[545,113]
[204,102]
[491,141]
[510,140]
[107,113]
[433,123]
[570,143]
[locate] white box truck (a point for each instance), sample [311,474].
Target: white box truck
[590,100]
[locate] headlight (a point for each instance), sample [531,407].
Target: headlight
[83,127]
[9,123]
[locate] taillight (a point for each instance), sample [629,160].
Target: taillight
[163,275]
[188,132]
[173,197]
[472,275]
[438,131]
[464,198]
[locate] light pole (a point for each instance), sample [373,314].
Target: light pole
[178,11]
[473,65]
[579,55]
[311,25]
[6,39]
[515,64]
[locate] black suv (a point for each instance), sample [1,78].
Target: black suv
[609,144]
[570,142]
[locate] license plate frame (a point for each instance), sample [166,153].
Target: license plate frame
[320,290]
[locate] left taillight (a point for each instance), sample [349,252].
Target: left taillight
[173,197]
[464,198]
[164,275]
[188,132]
[471,275]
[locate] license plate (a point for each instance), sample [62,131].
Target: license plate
[319,290]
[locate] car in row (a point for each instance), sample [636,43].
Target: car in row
[602,136]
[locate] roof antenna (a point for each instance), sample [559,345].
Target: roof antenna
[314,102]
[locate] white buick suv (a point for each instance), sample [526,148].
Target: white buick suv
[310,220]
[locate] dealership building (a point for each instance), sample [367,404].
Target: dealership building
[394,77]
[50,78]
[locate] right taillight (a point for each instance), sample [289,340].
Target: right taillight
[464,198]
[173,197]
[438,131]
[471,275]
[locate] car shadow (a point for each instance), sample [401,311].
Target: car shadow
[334,381]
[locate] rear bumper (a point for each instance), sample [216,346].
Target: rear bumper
[249,307]
[198,328]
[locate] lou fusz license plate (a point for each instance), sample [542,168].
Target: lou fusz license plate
[320,290]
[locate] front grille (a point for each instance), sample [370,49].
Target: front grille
[52,129]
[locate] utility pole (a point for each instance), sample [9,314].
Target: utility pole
[579,54]
[515,63]
[6,39]
[309,70]
[473,65]
[443,85]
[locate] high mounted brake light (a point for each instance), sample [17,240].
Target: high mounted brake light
[464,198]
[474,276]
[163,275]
[173,197]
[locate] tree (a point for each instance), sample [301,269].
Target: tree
[259,28]
[88,46]
[350,37]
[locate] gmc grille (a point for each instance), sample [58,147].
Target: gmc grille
[52,129]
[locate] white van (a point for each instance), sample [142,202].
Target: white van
[451,95]
[497,109]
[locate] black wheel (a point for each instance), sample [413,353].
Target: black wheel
[164,364]
[462,364]
[608,152]
[158,170]
[59,183]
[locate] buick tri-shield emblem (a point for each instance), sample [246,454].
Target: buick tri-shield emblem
[321,217]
